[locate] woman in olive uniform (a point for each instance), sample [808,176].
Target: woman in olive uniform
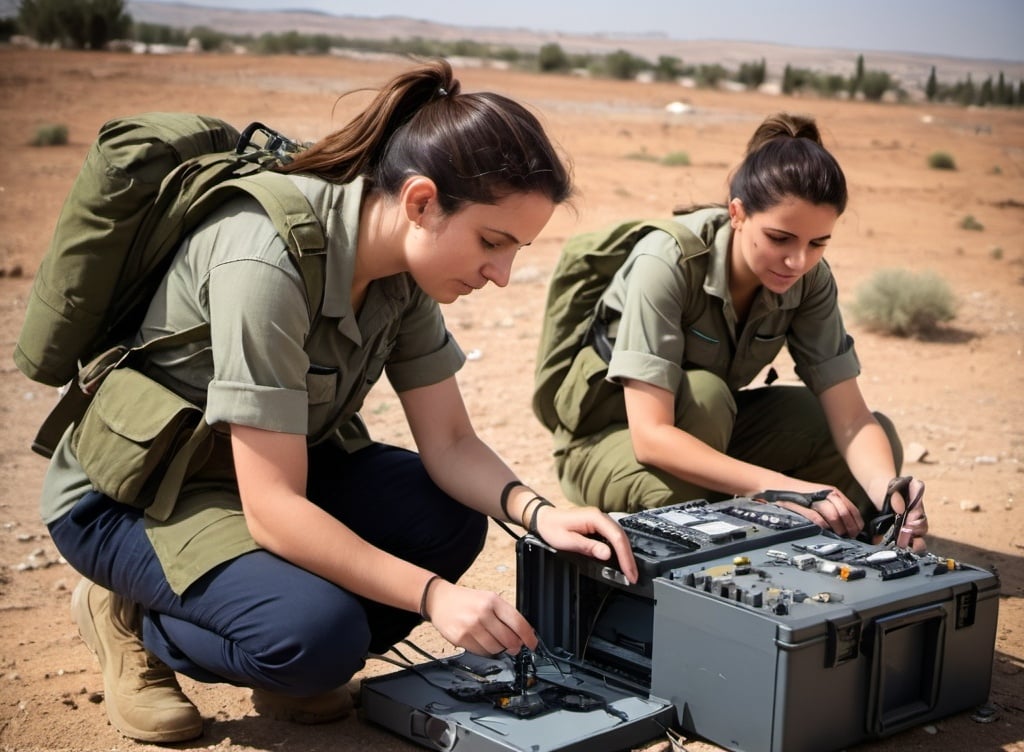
[684,336]
[302,545]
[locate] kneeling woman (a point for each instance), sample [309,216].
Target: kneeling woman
[659,410]
[302,545]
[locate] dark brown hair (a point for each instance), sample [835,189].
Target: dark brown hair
[476,147]
[785,157]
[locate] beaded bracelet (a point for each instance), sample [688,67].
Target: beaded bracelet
[423,598]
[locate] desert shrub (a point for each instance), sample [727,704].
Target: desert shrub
[642,156]
[52,134]
[676,159]
[996,253]
[970,223]
[900,302]
[940,160]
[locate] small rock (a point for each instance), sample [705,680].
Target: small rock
[930,729]
[985,713]
[969,506]
[985,459]
[914,452]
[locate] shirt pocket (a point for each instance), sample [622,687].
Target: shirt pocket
[764,347]
[703,351]
[321,384]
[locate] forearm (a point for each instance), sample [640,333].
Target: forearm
[298,531]
[869,456]
[472,473]
[681,454]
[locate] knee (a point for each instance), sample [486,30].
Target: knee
[706,408]
[317,650]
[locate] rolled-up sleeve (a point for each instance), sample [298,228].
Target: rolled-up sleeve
[649,345]
[259,321]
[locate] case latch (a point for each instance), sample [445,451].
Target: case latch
[843,642]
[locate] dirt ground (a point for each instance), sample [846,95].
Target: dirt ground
[960,396]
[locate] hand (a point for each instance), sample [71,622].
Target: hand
[915,522]
[478,620]
[835,512]
[571,530]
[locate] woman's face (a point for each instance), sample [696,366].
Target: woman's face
[777,246]
[454,255]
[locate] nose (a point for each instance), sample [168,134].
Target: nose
[499,270]
[797,258]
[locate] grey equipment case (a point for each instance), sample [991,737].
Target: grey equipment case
[749,627]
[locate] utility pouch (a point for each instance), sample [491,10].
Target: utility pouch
[585,401]
[137,438]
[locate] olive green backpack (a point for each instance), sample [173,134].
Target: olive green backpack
[146,182]
[585,267]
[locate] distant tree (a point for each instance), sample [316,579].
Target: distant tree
[624,66]
[965,92]
[1020,94]
[874,84]
[788,84]
[752,75]
[857,82]
[668,68]
[81,24]
[710,76]
[551,58]
[986,95]
[932,87]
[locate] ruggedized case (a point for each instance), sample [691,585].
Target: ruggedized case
[749,627]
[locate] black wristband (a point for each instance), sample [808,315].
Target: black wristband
[532,527]
[504,497]
[423,598]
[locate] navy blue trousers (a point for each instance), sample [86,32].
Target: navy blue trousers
[259,621]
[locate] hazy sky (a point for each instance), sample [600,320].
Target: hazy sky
[988,29]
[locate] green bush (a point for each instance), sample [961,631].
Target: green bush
[51,135]
[899,302]
[676,159]
[970,223]
[641,156]
[941,160]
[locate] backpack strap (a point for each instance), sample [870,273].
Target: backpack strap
[293,218]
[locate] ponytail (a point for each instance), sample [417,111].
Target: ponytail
[476,147]
[786,158]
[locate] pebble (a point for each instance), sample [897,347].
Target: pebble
[969,506]
[915,452]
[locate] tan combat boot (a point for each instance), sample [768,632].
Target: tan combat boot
[322,708]
[142,695]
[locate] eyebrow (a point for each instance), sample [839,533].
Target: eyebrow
[793,234]
[508,235]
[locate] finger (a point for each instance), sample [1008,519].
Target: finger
[848,516]
[617,541]
[809,513]
[511,628]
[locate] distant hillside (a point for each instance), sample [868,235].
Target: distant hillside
[910,69]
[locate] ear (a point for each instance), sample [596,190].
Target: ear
[416,194]
[737,214]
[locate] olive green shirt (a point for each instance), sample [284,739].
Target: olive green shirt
[672,315]
[266,364]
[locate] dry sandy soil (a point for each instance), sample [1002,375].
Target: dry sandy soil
[958,395]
